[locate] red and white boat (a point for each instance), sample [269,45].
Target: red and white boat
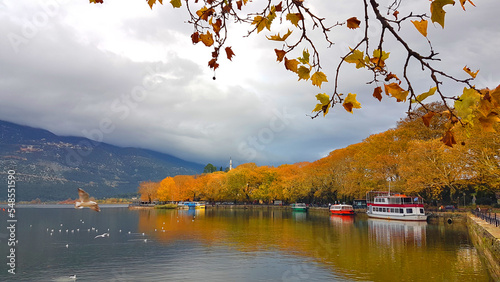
[395,206]
[342,209]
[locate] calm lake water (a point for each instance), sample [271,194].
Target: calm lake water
[55,242]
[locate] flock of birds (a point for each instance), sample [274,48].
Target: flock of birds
[85,202]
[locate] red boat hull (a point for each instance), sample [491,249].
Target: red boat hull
[343,212]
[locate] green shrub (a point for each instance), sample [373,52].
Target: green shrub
[166,206]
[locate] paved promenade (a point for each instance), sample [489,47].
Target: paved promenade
[491,228]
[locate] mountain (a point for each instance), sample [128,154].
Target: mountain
[51,167]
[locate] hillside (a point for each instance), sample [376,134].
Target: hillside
[51,167]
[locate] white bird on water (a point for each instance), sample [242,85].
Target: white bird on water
[72,277]
[85,202]
[102,235]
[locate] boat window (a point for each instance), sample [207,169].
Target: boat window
[409,210]
[401,211]
[407,200]
[422,211]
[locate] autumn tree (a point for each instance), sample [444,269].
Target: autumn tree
[166,190]
[294,25]
[148,190]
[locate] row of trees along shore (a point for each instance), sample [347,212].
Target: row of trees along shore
[410,158]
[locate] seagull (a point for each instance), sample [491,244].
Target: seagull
[85,202]
[72,277]
[102,235]
[67,245]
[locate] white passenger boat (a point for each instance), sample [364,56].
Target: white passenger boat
[395,206]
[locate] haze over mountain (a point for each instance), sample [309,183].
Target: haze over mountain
[51,167]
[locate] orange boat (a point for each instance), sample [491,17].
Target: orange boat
[342,209]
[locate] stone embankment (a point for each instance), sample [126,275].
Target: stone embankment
[486,239]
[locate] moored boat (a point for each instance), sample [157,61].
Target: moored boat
[342,209]
[395,206]
[299,207]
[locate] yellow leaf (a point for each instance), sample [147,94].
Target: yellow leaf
[261,23]
[280,38]
[291,65]
[423,96]
[175,3]
[204,13]
[421,26]
[396,91]
[323,98]
[357,57]
[466,104]
[381,54]
[353,23]
[294,18]
[318,78]
[207,39]
[304,73]
[437,12]
[324,104]
[350,103]
[471,73]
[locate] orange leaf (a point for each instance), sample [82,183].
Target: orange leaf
[449,139]
[377,93]
[213,64]
[396,91]
[427,118]
[462,2]
[391,76]
[395,14]
[195,37]
[421,26]
[291,65]
[217,26]
[280,54]
[229,53]
[471,73]
[353,23]
[488,122]
[239,4]
[207,39]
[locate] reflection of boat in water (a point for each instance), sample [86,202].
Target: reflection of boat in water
[341,209]
[390,232]
[341,219]
[299,216]
[193,205]
[299,207]
[395,206]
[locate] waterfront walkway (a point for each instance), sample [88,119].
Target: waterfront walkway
[494,231]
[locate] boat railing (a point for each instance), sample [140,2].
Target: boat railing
[370,197]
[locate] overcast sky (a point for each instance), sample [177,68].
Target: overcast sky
[127,75]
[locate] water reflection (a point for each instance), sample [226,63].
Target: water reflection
[341,219]
[299,215]
[238,245]
[397,233]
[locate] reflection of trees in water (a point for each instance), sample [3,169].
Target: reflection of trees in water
[371,249]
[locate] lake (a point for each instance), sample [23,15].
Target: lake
[57,241]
